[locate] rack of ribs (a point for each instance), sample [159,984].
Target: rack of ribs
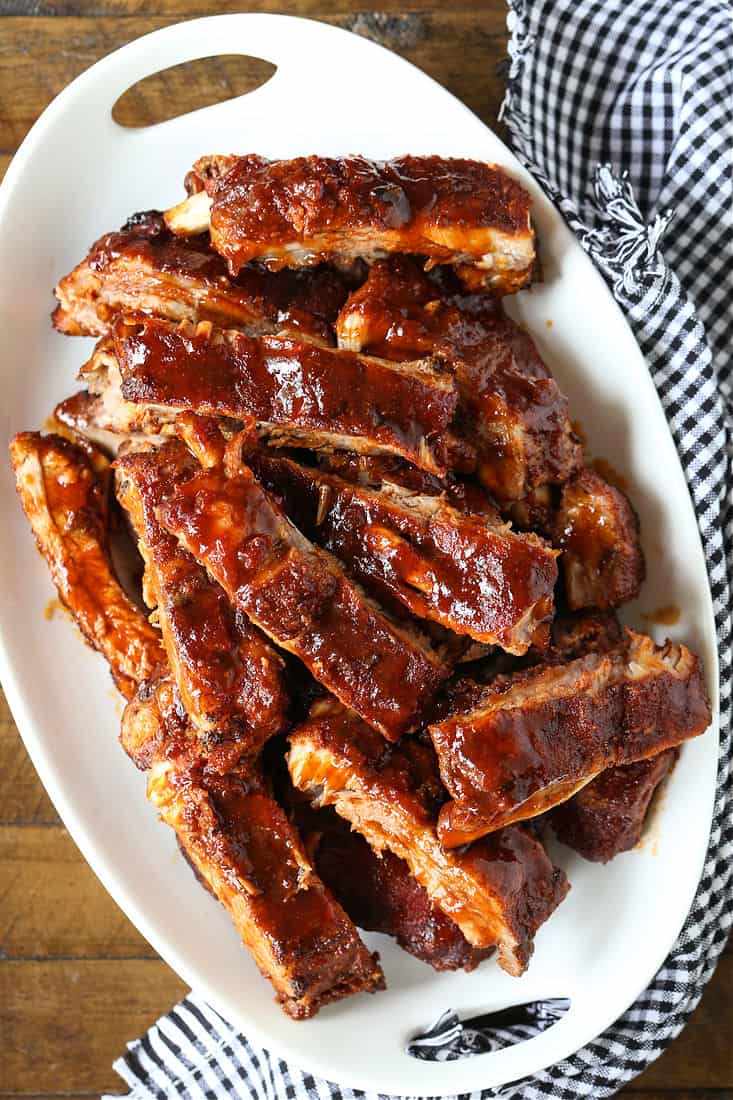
[245,851]
[65,502]
[598,532]
[513,410]
[469,575]
[537,737]
[300,596]
[229,676]
[291,213]
[499,891]
[380,895]
[145,268]
[297,393]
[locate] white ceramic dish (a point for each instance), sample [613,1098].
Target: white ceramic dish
[77,175]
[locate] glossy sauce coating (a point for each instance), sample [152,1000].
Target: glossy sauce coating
[230,677]
[439,563]
[498,891]
[607,817]
[515,413]
[598,532]
[246,851]
[66,505]
[301,598]
[306,393]
[310,209]
[144,267]
[538,736]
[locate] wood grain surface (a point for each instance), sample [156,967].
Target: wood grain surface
[77,981]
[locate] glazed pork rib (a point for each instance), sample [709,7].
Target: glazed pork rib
[598,532]
[380,895]
[534,739]
[290,213]
[65,503]
[514,412]
[228,674]
[146,268]
[499,891]
[469,575]
[301,597]
[607,817]
[297,393]
[243,848]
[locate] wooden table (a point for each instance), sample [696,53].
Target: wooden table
[76,979]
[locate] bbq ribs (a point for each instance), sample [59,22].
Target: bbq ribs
[513,411]
[300,212]
[535,738]
[499,891]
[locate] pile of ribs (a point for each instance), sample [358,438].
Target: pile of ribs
[374,654]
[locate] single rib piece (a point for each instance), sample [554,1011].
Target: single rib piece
[457,569]
[291,213]
[301,597]
[146,268]
[498,891]
[598,532]
[380,895]
[607,817]
[229,675]
[297,393]
[536,738]
[65,503]
[513,410]
[245,851]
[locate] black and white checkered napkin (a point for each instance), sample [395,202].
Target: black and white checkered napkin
[623,110]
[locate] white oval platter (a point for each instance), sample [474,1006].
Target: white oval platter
[79,174]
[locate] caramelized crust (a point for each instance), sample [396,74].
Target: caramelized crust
[65,503]
[514,412]
[379,894]
[457,569]
[297,393]
[229,676]
[291,213]
[301,597]
[498,891]
[146,268]
[607,817]
[538,737]
[598,532]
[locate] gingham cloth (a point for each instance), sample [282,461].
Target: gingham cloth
[623,111]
